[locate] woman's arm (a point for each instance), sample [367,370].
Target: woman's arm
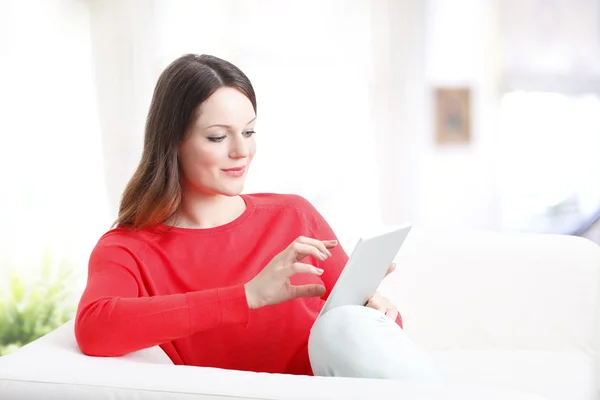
[115,318]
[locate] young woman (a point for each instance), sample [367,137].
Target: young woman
[222,279]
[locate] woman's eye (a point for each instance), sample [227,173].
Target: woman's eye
[248,133]
[216,138]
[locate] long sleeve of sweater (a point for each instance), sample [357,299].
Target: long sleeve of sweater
[114,316]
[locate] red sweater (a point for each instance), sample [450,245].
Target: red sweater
[183,289]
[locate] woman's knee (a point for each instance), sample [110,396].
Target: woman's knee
[355,341]
[344,326]
[343,318]
[339,342]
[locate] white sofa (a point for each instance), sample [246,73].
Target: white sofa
[508,316]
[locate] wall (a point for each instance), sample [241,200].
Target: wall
[456,184]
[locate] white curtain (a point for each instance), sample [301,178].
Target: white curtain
[52,194]
[123,48]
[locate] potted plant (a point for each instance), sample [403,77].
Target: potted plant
[34,302]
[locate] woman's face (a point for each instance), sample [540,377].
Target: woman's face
[217,150]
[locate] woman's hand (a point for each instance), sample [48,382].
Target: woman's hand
[382,304]
[272,284]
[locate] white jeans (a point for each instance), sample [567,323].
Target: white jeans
[360,342]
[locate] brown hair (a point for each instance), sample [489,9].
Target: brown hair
[154,192]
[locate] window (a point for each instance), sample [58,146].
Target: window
[547,159]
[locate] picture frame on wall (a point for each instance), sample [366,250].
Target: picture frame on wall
[453,115]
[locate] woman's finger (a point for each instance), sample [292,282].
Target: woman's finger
[392,312]
[312,290]
[391,269]
[390,309]
[330,243]
[301,268]
[302,250]
[376,304]
[323,246]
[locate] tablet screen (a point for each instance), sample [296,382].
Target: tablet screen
[366,268]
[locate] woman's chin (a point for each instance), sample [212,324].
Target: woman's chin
[232,190]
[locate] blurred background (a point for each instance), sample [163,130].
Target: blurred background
[457,115]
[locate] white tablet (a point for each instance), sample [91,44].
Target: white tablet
[366,268]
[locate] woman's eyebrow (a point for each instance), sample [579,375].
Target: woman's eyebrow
[229,126]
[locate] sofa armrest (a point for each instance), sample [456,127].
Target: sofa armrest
[53,368]
[498,291]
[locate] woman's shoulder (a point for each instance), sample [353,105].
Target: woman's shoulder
[281,200]
[123,238]
[278,205]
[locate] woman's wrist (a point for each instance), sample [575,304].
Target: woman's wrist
[250,298]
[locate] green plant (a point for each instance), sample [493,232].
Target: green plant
[33,304]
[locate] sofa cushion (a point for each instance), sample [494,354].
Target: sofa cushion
[551,374]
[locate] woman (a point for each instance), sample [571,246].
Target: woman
[218,278]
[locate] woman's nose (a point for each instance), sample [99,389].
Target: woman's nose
[239,148]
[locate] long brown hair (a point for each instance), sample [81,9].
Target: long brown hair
[154,192]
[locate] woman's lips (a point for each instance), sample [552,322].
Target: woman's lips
[235,172]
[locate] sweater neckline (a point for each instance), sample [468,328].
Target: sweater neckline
[237,221]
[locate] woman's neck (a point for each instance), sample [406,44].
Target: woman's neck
[207,211]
